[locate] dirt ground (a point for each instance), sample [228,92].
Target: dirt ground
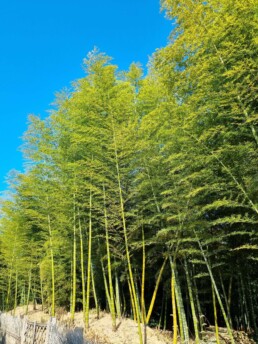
[100,329]
[127,331]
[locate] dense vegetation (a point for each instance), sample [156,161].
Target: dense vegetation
[141,193]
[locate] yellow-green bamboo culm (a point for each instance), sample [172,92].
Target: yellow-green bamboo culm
[87,307]
[155,291]
[217,294]
[134,296]
[73,301]
[111,290]
[191,299]
[118,299]
[94,291]
[82,266]
[215,315]
[174,310]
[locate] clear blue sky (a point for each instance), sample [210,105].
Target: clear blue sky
[43,44]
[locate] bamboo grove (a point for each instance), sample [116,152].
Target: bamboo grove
[140,192]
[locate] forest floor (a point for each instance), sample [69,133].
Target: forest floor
[100,331]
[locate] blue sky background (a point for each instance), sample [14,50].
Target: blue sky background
[43,43]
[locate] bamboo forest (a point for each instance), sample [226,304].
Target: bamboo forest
[140,190]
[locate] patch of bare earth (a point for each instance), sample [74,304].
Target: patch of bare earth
[100,330]
[126,333]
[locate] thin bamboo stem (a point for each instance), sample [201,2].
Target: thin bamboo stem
[154,295]
[217,293]
[181,311]
[143,288]
[132,300]
[105,285]
[82,265]
[94,291]
[215,315]
[111,290]
[29,288]
[191,299]
[73,301]
[118,299]
[52,266]
[87,307]
[134,296]
[174,308]
[16,292]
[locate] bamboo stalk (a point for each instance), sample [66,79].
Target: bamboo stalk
[8,294]
[245,308]
[16,292]
[191,299]
[52,266]
[82,266]
[165,312]
[162,310]
[174,308]
[181,311]
[134,296]
[118,301]
[226,299]
[230,291]
[132,300]
[217,293]
[94,291]
[105,285]
[87,307]
[154,295]
[41,289]
[252,303]
[143,289]
[73,301]
[143,279]
[111,290]
[215,315]
[200,315]
[28,293]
